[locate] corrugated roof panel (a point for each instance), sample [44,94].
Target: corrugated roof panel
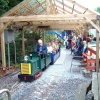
[26,9]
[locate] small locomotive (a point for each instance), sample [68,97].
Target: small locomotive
[33,65]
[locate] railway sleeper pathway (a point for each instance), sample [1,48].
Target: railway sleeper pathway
[56,82]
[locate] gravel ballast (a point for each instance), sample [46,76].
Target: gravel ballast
[55,83]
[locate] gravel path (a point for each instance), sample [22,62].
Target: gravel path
[56,83]
[9,80]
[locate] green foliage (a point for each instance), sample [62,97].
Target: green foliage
[6,5]
[3,6]
[13,3]
[31,39]
[49,37]
[30,42]
[97,9]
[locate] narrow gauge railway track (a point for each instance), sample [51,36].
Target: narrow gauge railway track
[10,81]
[10,74]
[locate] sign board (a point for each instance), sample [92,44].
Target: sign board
[9,35]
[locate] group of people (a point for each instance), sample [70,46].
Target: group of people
[76,44]
[51,47]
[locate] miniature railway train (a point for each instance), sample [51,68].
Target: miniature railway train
[33,65]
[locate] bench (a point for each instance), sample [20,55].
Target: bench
[91,63]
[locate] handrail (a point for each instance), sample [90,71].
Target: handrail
[7,91]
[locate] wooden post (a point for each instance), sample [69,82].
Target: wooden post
[47,7]
[3,49]
[86,30]
[39,33]
[43,36]
[23,42]
[97,50]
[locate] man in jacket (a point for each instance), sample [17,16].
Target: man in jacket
[40,47]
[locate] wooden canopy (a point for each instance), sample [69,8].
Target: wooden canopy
[66,14]
[55,14]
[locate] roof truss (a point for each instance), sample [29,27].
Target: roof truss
[48,12]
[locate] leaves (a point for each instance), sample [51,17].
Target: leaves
[97,9]
[6,5]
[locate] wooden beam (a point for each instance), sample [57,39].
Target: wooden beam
[77,31]
[54,8]
[85,11]
[23,42]
[65,25]
[48,23]
[43,36]
[49,17]
[39,13]
[93,24]
[1,25]
[63,5]
[64,10]
[82,7]
[35,7]
[80,32]
[56,23]
[16,14]
[16,8]
[47,7]
[5,26]
[3,49]
[29,10]
[61,11]
[66,22]
[51,7]
[61,28]
[55,5]
[97,48]
[69,7]
[73,7]
[40,4]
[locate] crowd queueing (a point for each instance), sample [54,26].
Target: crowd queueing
[77,44]
[52,46]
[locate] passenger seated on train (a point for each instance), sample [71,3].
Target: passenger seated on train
[56,44]
[59,44]
[83,50]
[54,47]
[51,42]
[49,48]
[40,47]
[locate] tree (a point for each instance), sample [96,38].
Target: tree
[6,5]
[13,3]
[97,9]
[3,6]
